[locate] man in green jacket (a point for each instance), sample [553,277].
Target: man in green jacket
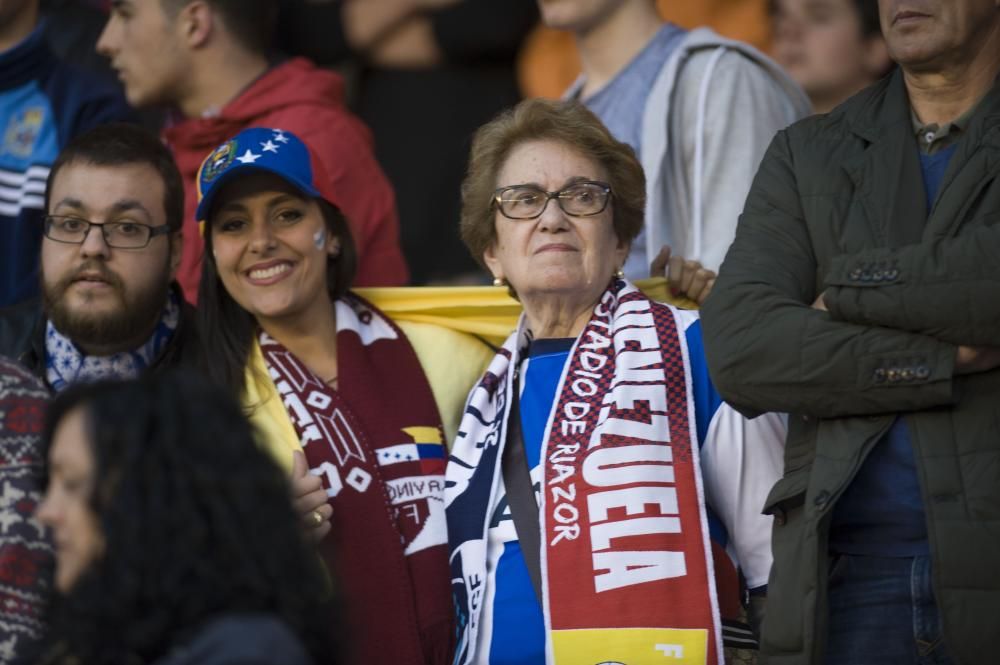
[862,297]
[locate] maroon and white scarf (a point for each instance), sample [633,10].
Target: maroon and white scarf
[377,442]
[627,571]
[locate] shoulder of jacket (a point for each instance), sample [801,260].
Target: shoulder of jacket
[731,61]
[842,121]
[17,377]
[17,322]
[22,333]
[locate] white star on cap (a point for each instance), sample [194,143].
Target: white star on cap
[269,147]
[248,157]
[279,136]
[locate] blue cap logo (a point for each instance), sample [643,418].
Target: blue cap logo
[257,149]
[217,162]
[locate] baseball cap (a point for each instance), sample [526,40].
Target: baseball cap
[261,149]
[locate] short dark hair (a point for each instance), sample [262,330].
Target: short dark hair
[251,22]
[197,521]
[122,144]
[233,328]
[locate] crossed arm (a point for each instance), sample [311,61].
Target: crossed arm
[878,350]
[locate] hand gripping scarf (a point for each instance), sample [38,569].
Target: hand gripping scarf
[627,574]
[377,442]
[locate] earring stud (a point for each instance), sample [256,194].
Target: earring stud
[499,281]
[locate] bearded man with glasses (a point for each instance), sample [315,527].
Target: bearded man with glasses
[110,307]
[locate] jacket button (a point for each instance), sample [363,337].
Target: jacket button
[779,517]
[880,375]
[821,499]
[923,372]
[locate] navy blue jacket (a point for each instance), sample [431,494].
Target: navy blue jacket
[43,104]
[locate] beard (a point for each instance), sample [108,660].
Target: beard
[126,327]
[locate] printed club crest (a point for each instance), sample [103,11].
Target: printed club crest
[22,132]
[219,161]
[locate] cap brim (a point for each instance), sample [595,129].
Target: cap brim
[205,205]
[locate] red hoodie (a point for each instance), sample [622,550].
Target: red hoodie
[300,98]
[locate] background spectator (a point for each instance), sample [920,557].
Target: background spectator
[671,94]
[217,77]
[25,549]
[550,62]
[832,48]
[44,103]
[429,73]
[73,27]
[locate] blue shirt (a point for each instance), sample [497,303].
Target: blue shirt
[517,619]
[882,510]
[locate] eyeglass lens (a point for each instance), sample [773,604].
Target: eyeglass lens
[527,202]
[124,235]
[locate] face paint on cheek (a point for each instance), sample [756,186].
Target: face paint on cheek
[319,238]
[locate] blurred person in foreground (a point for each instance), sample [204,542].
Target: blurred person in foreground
[861,296]
[326,375]
[110,307]
[25,549]
[210,63]
[698,109]
[176,540]
[832,48]
[600,494]
[45,101]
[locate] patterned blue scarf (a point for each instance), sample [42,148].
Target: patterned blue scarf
[66,365]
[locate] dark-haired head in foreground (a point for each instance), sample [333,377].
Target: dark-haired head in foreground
[166,516]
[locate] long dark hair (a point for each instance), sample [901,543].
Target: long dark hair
[229,330]
[197,522]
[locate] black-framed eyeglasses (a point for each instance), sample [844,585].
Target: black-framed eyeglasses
[581,199]
[121,234]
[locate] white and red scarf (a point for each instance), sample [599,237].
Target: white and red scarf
[627,571]
[376,441]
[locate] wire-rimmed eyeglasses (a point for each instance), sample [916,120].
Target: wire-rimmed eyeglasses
[580,199]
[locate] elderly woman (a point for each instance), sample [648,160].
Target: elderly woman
[176,540]
[598,482]
[325,373]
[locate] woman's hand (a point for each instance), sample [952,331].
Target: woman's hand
[309,499]
[687,277]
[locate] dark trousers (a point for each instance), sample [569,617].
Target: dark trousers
[882,612]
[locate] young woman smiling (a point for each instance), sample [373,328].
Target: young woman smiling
[324,373]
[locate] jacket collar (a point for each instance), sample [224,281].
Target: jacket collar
[26,61]
[887,172]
